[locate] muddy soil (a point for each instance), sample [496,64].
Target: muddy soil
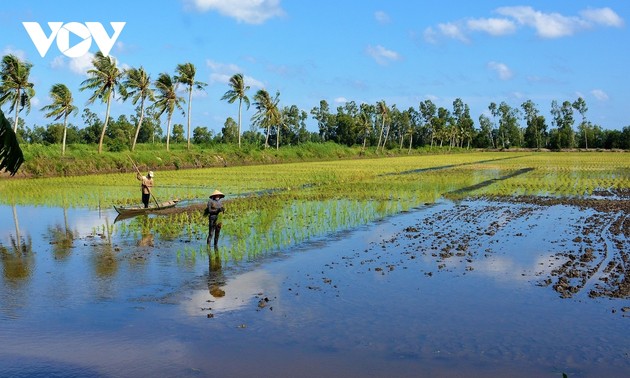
[590,256]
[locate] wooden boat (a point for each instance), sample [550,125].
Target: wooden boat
[137,210]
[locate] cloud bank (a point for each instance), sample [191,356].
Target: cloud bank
[247,11]
[545,25]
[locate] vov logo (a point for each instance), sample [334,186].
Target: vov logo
[61,33]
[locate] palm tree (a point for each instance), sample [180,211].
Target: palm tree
[237,92]
[138,86]
[167,100]
[104,80]
[267,113]
[186,75]
[11,156]
[364,124]
[382,109]
[61,107]
[15,87]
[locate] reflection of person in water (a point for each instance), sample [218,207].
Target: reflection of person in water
[216,278]
[147,237]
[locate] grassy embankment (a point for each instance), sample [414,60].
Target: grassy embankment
[46,161]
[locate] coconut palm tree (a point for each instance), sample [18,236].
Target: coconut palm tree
[167,100]
[186,75]
[61,107]
[364,125]
[382,109]
[11,156]
[267,113]
[104,80]
[138,86]
[237,91]
[15,87]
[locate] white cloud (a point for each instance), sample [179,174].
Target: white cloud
[58,62]
[9,50]
[430,35]
[222,72]
[248,11]
[452,30]
[492,26]
[603,16]
[382,55]
[340,100]
[546,25]
[81,64]
[382,17]
[599,94]
[501,69]
[78,65]
[253,82]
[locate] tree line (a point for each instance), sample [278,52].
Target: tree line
[376,125]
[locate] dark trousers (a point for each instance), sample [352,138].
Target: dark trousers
[214,229]
[145,199]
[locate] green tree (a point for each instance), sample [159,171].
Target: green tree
[427,114]
[295,125]
[441,123]
[532,134]
[138,85]
[229,132]
[484,138]
[11,156]
[92,127]
[237,92]
[178,133]
[186,75]
[324,119]
[267,112]
[104,80]
[563,120]
[382,110]
[364,123]
[580,106]
[15,87]
[120,134]
[464,124]
[61,107]
[508,125]
[201,135]
[167,101]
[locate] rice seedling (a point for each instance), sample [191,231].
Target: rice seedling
[275,207]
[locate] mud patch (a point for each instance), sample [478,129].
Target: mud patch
[575,246]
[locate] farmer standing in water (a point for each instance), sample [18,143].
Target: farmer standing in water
[214,208]
[147,184]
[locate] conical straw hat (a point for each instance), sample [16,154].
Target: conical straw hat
[217,194]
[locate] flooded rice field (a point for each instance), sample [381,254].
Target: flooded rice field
[468,285]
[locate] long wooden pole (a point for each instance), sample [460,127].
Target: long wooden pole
[150,192]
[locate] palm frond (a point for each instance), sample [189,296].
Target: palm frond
[11,157]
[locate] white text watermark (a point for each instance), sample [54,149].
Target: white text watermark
[60,32]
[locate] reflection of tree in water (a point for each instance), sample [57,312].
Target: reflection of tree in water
[104,259]
[17,260]
[216,278]
[62,238]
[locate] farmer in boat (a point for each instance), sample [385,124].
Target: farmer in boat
[147,184]
[213,209]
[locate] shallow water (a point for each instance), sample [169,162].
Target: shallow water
[372,301]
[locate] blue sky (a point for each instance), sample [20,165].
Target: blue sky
[399,51]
